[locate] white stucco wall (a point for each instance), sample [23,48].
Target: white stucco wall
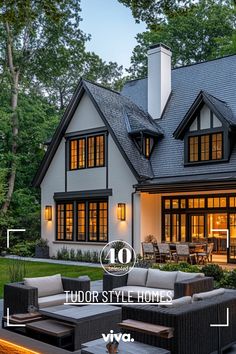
[120,180]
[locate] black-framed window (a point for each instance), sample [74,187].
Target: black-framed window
[205,147]
[87,152]
[176,211]
[82,221]
[65,221]
[96,151]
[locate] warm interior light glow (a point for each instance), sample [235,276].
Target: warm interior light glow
[8,347]
[121,211]
[48,213]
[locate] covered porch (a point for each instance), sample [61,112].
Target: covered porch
[190,215]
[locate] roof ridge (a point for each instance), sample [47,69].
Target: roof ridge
[185,66]
[101,86]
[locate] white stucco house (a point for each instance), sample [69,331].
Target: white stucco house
[156,158]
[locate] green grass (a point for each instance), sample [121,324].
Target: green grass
[38,269]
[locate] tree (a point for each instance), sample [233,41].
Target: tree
[195,35]
[42,56]
[153,11]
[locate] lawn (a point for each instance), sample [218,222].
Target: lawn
[38,269]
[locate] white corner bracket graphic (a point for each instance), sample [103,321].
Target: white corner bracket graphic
[223,230]
[8,234]
[10,324]
[223,324]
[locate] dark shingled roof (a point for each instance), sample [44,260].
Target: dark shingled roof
[125,113]
[123,116]
[218,79]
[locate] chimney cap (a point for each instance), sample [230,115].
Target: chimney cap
[158,45]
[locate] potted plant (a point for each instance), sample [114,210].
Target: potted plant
[41,248]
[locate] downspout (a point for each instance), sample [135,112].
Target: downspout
[132,216]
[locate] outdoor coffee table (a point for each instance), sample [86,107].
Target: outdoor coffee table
[99,347]
[51,328]
[89,321]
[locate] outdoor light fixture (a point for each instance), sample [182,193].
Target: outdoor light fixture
[121,211]
[48,213]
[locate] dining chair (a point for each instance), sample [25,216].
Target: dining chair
[207,255]
[149,251]
[183,253]
[164,251]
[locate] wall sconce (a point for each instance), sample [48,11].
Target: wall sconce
[48,213]
[121,211]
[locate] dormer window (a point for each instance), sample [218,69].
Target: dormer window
[145,144]
[206,131]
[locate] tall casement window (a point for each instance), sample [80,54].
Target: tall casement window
[98,221]
[96,151]
[205,147]
[65,218]
[87,152]
[89,217]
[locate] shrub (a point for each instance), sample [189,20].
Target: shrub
[79,255]
[17,270]
[42,242]
[72,254]
[228,280]
[183,266]
[24,249]
[63,254]
[213,270]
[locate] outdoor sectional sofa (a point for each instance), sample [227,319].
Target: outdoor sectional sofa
[176,283]
[191,322]
[41,292]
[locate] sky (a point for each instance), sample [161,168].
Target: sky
[112,28]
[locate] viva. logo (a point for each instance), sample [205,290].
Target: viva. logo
[111,337]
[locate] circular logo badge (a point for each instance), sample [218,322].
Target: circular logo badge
[118,258]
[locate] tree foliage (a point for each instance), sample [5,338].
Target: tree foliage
[42,56]
[202,32]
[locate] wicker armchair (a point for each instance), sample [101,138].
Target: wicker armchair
[18,297]
[191,323]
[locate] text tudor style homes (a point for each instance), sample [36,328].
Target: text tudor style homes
[157,158]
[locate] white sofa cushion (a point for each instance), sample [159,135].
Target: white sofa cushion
[137,276]
[179,302]
[137,291]
[208,294]
[161,279]
[50,285]
[184,276]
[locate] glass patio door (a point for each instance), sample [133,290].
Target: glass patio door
[232,243]
[197,227]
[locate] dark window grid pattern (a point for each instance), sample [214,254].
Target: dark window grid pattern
[77,154]
[87,152]
[65,218]
[96,151]
[73,155]
[217,146]
[168,212]
[174,225]
[98,221]
[91,219]
[81,222]
[174,203]
[205,147]
[197,227]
